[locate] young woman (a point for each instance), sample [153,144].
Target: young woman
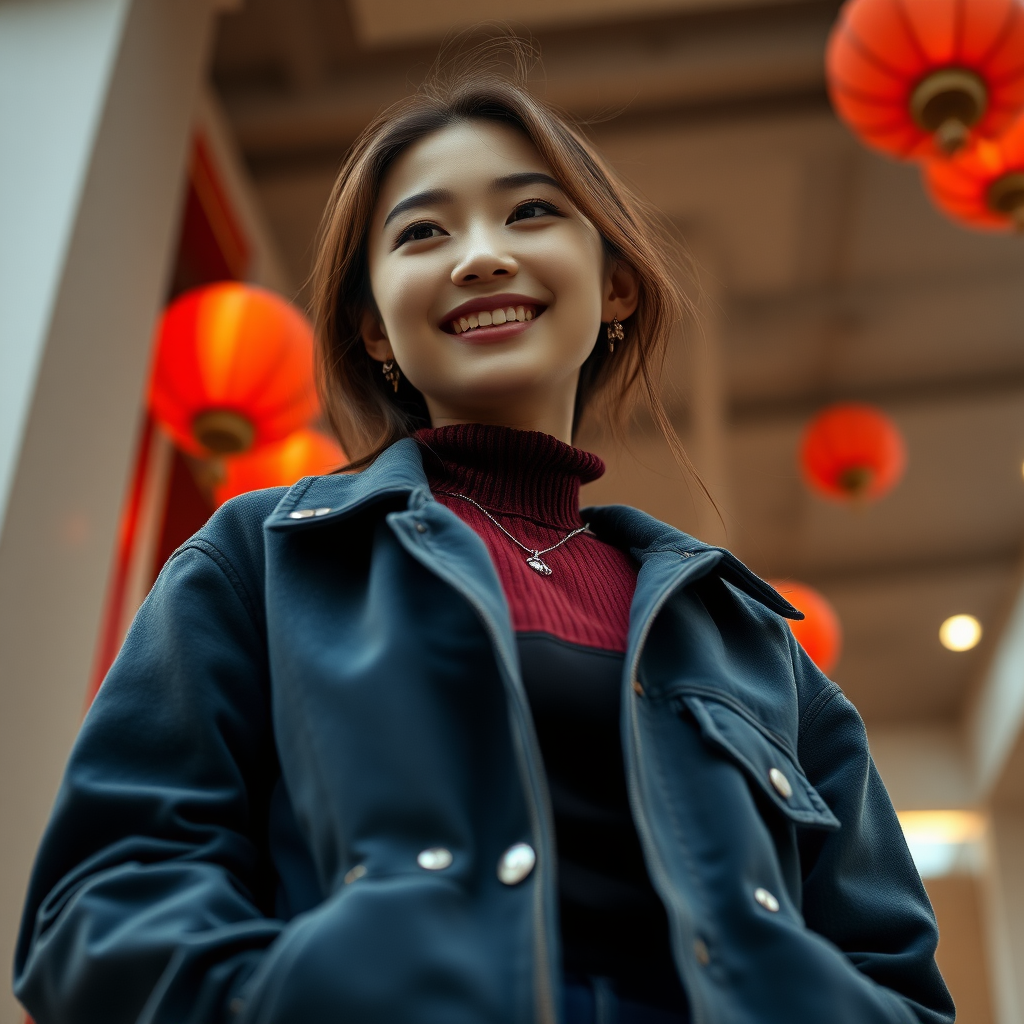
[425,742]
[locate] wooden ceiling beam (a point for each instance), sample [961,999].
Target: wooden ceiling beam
[594,73]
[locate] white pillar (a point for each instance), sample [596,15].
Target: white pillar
[96,98]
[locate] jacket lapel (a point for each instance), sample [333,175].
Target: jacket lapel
[437,537]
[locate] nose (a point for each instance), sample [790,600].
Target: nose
[483,262]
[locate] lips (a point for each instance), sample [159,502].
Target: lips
[491,311]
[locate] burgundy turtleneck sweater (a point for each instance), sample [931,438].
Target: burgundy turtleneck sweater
[571,631]
[530,482]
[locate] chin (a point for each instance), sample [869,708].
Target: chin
[489,393]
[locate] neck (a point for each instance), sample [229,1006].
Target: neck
[538,411]
[541,425]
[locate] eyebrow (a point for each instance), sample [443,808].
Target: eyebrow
[432,197]
[511,181]
[441,196]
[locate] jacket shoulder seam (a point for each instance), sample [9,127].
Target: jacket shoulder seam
[821,700]
[231,574]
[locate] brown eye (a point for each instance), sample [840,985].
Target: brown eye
[534,208]
[419,232]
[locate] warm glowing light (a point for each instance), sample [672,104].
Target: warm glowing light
[918,78]
[944,842]
[960,632]
[852,452]
[233,370]
[942,826]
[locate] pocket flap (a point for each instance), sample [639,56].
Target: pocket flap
[768,765]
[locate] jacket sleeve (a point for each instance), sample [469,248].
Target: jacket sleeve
[145,900]
[861,889]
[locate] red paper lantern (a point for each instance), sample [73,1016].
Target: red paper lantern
[852,451]
[304,453]
[917,78]
[983,185]
[233,369]
[819,632]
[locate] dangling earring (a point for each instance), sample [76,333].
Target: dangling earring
[392,374]
[615,333]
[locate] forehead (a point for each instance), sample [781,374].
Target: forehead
[462,157]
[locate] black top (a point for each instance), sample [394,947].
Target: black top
[613,923]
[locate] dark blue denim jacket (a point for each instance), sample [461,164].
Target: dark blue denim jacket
[323,683]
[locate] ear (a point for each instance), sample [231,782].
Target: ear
[375,337]
[621,292]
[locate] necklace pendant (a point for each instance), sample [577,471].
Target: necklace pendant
[538,564]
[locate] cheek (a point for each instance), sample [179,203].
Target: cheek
[403,289]
[575,270]
[402,294]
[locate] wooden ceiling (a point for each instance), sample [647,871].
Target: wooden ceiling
[828,275]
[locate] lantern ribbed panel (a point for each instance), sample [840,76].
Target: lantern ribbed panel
[235,348]
[303,453]
[960,186]
[852,441]
[880,50]
[819,633]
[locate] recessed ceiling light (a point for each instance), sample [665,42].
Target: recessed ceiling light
[960,632]
[944,842]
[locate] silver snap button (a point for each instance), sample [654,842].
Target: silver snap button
[421,528]
[354,874]
[302,513]
[516,863]
[700,951]
[781,783]
[437,858]
[766,899]
[321,511]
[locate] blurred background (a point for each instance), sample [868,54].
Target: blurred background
[852,391]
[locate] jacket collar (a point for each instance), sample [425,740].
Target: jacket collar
[644,537]
[397,474]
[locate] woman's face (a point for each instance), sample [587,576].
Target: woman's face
[490,286]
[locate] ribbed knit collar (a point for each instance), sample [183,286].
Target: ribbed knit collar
[522,472]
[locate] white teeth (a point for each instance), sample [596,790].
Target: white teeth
[509,314]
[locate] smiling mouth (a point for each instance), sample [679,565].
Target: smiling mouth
[493,318]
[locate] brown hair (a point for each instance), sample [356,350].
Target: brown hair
[364,411]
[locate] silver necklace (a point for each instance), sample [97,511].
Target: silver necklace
[533,559]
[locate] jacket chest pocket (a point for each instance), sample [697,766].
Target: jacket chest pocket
[765,762]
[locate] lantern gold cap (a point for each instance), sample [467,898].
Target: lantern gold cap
[855,480]
[223,431]
[1006,195]
[949,103]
